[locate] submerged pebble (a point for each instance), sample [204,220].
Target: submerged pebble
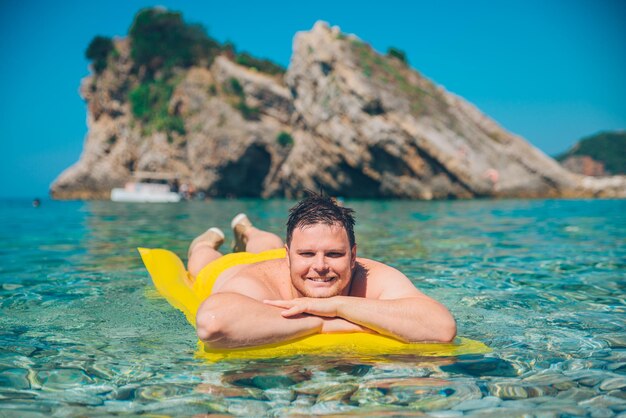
[519,404]
[14,394]
[551,378]
[445,414]
[26,408]
[303,400]
[337,392]
[615,340]
[159,391]
[221,391]
[601,413]
[78,397]
[589,378]
[613,383]
[367,396]
[311,387]
[330,407]
[586,364]
[618,393]
[577,394]
[471,404]
[247,407]
[421,382]
[497,412]
[617,356]
[14,378]
[271,382]
[280,395]
[508,390]
[433,403]
[619,367]
[124,393]
[602,401]
[481,366]
[447,397]
[187,406]
[63,378]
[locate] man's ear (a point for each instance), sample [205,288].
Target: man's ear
[353,256]
[288,262]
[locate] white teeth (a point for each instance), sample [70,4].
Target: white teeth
[320,279]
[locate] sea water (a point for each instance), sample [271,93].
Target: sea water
[541,282]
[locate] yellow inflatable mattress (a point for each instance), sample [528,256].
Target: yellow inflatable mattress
[186,294]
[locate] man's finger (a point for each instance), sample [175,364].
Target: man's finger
[294,310]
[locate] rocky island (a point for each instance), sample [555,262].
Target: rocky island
[342,117]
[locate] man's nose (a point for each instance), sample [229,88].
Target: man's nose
[319,263]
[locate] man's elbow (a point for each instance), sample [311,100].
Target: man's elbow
[440,330]
[209,328]
[447,331]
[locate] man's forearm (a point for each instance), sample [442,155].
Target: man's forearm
[410,319]
[340,325]
[229,320]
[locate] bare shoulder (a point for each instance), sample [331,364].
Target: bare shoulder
[377,271]
[263,280]
[381,281]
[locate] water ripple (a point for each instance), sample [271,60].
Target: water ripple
[540,281]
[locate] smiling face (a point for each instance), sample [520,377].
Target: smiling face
[320,260]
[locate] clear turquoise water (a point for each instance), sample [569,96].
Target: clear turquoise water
[542,282]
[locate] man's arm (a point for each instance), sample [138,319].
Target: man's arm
[339,325]
[394,308]
[228,319]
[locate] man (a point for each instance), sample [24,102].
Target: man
[319,286]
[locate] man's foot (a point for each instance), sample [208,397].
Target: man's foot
[240,224]
[213,237]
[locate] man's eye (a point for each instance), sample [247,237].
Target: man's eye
[307,254]
[335,255]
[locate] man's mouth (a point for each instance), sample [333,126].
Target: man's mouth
[321,279]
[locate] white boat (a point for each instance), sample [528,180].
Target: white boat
[148,187]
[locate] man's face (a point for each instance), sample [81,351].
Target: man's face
[320,260]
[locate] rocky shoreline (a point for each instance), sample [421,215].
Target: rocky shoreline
[343,118]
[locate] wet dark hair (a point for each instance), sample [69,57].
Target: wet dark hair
[317,208]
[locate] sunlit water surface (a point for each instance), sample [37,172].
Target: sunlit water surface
[83,333]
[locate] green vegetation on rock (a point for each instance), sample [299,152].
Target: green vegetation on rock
[161,45]
[608,148]
[150,104]
[98,52]
[262,65]
[161,40]
[243,58]
[387,71]
[248,112]
[398,54]
[284,139]
[236,88]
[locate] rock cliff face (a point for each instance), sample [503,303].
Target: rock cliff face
[343,118]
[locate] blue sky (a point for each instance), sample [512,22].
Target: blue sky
[550,71]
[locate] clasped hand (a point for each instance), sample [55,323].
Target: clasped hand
[326,307]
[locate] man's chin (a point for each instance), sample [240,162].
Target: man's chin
[319,292]
[321,295]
